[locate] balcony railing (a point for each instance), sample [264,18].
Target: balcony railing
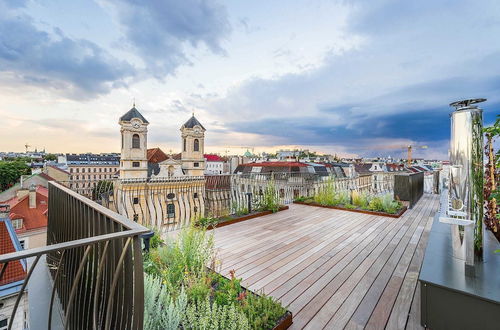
[171,203]
[94,257]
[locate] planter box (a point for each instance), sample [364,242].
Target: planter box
[449,298]
[390,215]
[245,217]
[283,323]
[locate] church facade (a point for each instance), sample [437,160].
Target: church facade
[167,192]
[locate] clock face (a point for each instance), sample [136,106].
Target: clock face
[136,125]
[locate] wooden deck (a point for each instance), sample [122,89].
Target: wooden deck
[334,269]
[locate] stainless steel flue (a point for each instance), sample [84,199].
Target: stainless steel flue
[466,176]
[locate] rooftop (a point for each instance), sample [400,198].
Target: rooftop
[334,268]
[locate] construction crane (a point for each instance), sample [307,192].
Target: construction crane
[410,150]
[27,146]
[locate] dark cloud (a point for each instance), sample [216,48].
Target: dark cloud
[159,30]
[76,67]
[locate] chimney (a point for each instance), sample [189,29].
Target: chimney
[32,197]
[4,211]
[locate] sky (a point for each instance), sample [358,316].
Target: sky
[358,77]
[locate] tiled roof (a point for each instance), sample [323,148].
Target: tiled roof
[212,158]
[15,271]
[46,177]
[156,155]
[57,168]
[362,168]
[33,218]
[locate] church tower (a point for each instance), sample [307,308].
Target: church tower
[193,146]
[134,131]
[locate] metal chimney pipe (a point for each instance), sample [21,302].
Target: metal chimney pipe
[466,175]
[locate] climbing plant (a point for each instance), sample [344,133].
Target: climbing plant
[491,189]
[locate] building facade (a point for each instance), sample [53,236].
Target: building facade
[13,279]
[86,170]
[156,189]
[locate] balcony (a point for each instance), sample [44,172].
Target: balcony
[90,274]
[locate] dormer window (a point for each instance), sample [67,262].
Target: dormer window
[17,224]
[136,141]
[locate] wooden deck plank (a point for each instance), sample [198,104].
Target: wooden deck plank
[332,267]
[399,259]
[362,278]
[401,310]
[366,306]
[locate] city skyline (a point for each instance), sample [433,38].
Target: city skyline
[346,78]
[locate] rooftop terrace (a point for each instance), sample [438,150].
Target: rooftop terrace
[333,268]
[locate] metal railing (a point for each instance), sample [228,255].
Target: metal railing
[171,203]
[94,257]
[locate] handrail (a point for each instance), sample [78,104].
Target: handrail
[69,245]
[83,264]
[101,209]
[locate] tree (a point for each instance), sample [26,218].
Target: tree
[49,157]
[10,172]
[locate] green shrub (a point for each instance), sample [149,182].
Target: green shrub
[228,290]
[326,194]
[360,199]
[238,209]
[342,197]
[188,255]
[262,312]
[389,205]
[350,206]
[161,311]
[270,199]
[300,199]
[203,315]
[207,221]
[376,204]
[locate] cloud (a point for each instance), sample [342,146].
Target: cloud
[160,31]
[77,68]
[396,86]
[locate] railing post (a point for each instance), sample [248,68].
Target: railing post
[249,196]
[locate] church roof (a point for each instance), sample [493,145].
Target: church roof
[156,155]
[192,122]
[133,113]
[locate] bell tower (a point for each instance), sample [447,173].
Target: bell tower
[134,132]
[193,146]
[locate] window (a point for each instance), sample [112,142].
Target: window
[184,144]
[136,141]
[136,200]
[170,196]
[83,170]
[282,193]
[77,170]
[170,210]
[196,164]
[23,244]
[3,324]
[195,209]
[17,223]
[136,217]
[195,195]
[136,164]
[196,146]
